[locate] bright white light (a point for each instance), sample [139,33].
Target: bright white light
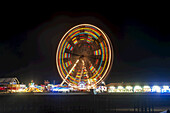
[138,87]
[112,87]
[31,86]
[22,85]
[129,87]
[20,90]
[56,89]
[165,87]
[156,89]
[147,89]
[120,87]
[108,91]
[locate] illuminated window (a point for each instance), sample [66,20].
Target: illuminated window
[129,89]
[156,89]
[111,89]
[165,89]
[147,89]
[137,89]
[120,89]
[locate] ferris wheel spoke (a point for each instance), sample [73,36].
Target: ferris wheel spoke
[74,54]
[83,71]
[69,72]
[81,75]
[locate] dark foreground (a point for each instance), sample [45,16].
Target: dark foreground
[83,103]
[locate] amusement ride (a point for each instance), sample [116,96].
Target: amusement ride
[84,56]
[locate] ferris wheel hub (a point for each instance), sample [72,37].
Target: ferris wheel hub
[81,56]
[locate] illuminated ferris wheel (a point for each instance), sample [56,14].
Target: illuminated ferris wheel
[84,55]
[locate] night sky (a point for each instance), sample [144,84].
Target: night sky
[140,36]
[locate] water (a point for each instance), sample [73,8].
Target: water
[84,103]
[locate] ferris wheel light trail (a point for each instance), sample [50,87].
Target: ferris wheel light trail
[81,71]
[93,47]
[69,72]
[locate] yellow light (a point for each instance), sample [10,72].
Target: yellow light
[112,87]
[129,87]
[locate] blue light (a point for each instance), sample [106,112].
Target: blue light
[165,89]
[61,89]
[55,89]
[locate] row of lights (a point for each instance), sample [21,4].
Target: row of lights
[155,88]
